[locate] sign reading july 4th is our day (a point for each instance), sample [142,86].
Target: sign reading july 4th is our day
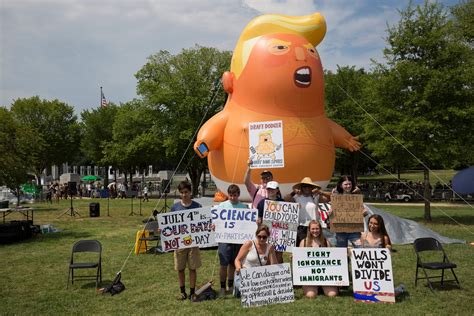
[186,229]
[234,225]
[266,285]
[282,219]
[320,266]
[266,144]
[372,276]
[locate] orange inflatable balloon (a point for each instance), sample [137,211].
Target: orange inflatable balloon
[276,75]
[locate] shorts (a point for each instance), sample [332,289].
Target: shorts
[342,239]
[228,253]
[190,257]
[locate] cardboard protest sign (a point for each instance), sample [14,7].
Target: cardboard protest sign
[372,276]
[347,212]
[234,225]
[266,144]
[282,219]
[266,285]
[320,266]
[324,210]
[186,229]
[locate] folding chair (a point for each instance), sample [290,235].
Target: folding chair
[152,228]
[433,245]
[86,246]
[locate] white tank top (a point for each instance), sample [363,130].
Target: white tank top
[252,257]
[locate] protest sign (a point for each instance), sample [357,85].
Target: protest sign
[320,266]
[372,276]
[266,145]
[234,225]
[186,229]
[266,285]
[282,219]
[347,210]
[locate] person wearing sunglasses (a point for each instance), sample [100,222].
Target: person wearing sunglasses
[255,253]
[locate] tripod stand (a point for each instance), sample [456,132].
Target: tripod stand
[165,207]
[131,210]
[70,210]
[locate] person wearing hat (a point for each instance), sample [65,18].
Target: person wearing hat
[307,194]
[257,192]
[273,194]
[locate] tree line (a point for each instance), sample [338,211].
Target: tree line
[414,109]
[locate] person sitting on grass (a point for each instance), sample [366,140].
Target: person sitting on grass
[190,257]
[315,239]
[228,252]
[376,236]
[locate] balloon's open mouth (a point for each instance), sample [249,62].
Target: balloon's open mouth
[303,77]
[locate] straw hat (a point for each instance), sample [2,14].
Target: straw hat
[306,181]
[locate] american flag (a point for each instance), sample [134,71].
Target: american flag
[103,100]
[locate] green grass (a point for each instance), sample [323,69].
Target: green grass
[412,175]
[34,272]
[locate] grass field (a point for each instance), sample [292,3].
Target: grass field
[34,272]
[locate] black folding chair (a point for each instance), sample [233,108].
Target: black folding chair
[433,245]
[84,246]
[152,228]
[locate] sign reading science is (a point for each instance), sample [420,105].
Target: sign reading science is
[320,266]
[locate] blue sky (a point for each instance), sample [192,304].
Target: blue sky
[67,49]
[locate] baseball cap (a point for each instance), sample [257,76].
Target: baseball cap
[272,185]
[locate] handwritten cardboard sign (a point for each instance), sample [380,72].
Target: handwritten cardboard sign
[234,225]
[347,212]
[266,144]
[320,266]
[186,229]
[282,219]
[266,285]
[372,276]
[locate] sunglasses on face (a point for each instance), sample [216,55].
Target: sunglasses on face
[264,237]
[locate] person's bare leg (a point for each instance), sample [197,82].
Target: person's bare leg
[181,278]
[192,278]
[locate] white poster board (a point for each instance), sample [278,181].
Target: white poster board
[372,275]
[266,145]
[282,219]
[266,285]
[234,225]
[320,266]
[186,229]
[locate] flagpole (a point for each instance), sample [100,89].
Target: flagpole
[101,94]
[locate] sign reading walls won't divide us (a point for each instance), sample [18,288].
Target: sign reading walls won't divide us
[186,229]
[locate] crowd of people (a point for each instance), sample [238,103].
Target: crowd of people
[258,252]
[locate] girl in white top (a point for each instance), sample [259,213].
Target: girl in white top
[316,239]
[255,253]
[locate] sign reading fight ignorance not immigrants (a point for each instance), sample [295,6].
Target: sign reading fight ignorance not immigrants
[234,225]
[186,229]
[347,210]
[320,266]
[266,285]
[282,219]
[266,145]
[372,277]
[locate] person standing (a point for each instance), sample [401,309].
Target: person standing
[257,192]
[190,257]
[228,252]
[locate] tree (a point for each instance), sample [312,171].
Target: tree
[96,130]
[344,92]
[183,91]
[54,129]
[15,142]
[423,95]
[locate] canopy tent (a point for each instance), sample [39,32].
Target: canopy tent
[91,178]
[463,181]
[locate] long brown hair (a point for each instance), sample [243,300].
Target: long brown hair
[382,230]
[320,238]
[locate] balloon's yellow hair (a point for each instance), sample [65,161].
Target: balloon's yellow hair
[312,27]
